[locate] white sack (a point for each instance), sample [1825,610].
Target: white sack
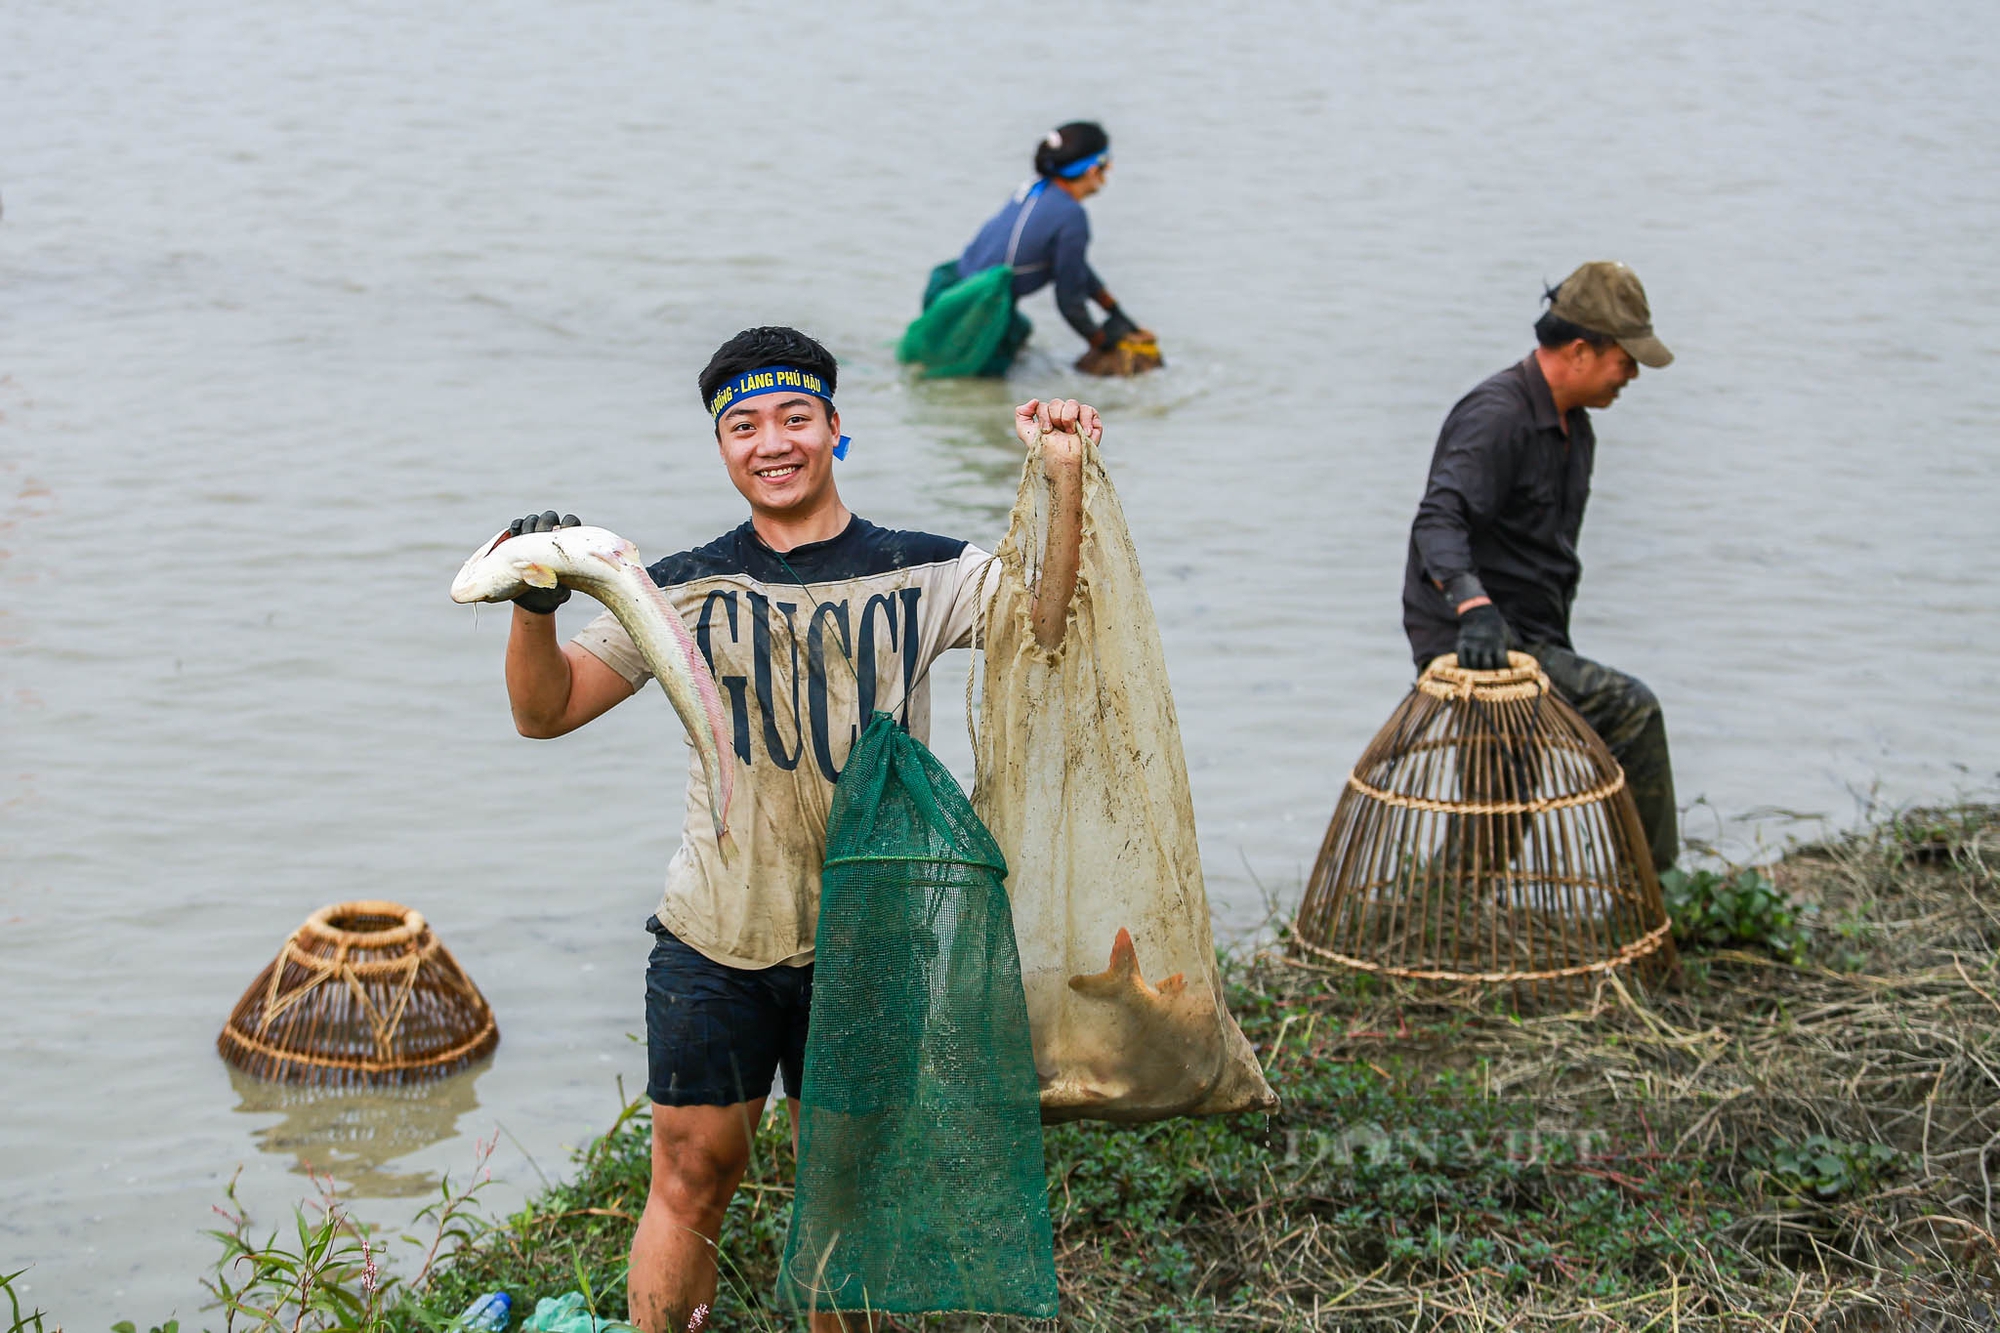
[1081,778]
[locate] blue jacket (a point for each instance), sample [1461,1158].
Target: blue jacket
[1049,248]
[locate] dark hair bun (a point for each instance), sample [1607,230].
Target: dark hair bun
[1069,143]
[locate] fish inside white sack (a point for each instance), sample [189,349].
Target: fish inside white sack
[599,562]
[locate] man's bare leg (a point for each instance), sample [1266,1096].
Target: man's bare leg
[699,1156]
[836,1321]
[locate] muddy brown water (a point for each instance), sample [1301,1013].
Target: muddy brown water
[302,301]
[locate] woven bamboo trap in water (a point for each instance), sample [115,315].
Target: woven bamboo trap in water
[1486,838]
[361,994]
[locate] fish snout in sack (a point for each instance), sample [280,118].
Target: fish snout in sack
[1083,784]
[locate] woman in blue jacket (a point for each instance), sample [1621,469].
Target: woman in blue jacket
[1040,236]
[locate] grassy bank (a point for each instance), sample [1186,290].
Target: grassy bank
[1801,1134]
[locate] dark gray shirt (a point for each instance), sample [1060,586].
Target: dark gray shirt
[1501,511]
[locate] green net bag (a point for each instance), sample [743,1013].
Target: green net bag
[920,1181]
[968,328]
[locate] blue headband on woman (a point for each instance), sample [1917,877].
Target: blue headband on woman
[774,379]
[1083,164]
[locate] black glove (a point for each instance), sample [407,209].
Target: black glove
[542,601]
[1117,325]
[1483,639]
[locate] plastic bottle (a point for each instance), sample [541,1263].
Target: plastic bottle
[489,1314]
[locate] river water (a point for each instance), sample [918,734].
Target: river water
[303,300]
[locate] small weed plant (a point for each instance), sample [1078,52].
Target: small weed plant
[1822,1168]
[330,1281]
[1927,836]
[1711,910]
[327,1272]
[30,1322]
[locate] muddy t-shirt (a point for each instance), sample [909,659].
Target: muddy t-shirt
[799,672]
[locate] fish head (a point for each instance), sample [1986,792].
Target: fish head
[509,565]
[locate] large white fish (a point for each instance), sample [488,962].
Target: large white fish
[606,566]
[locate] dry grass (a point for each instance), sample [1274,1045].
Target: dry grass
[1889,1035]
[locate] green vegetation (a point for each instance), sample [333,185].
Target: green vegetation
[1713,911]
[30,1322]
[1825,1168]
[1771,1143]
[332,1280]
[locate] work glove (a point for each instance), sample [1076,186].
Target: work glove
[1483,638]
[1117,326]
[542,601]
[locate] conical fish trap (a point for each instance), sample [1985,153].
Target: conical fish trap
[1486,837]
[362,993]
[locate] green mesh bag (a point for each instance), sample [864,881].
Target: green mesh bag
[920,1182]
[969,327]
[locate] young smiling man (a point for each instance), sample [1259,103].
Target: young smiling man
[1493,563]
[811,619]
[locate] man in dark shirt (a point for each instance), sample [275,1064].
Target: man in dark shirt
[1493,562]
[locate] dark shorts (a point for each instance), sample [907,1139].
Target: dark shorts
[716,1034]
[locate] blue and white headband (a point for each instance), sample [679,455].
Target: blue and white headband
[1083,164]
[774,379]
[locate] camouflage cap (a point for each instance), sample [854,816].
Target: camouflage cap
[1605,297]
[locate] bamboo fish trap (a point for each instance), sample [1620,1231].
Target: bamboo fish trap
[1486,838]
[362,994]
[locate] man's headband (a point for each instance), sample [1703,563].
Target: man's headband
[774,379]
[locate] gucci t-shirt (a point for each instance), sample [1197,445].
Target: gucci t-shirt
[801,666]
